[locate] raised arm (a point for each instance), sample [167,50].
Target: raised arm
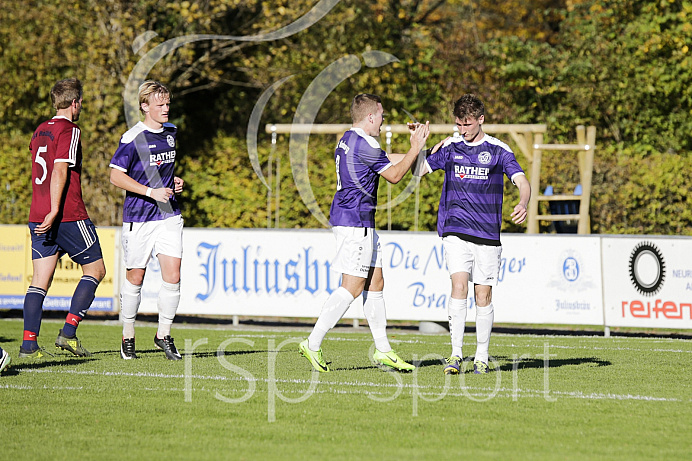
[396,172]
[419,167]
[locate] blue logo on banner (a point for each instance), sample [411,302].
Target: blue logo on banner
[570,269]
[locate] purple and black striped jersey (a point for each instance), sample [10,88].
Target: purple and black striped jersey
[359,162]
[472,193]
[148,157]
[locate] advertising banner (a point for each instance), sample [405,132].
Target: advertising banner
[543,279]
[648,281]
[549,279]
[17,270]
[13,269]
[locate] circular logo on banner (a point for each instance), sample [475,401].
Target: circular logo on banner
[484,157]
[570,269]
[171,141]
[647,268]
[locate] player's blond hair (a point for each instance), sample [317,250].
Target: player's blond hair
[64,92]
[150,88]
[363,105]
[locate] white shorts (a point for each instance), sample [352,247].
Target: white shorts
[142,240]
[357,250]
[481,262]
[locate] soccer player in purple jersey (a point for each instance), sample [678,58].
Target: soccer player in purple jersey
[58,221]
[469,220]
[143,165]
[359,163]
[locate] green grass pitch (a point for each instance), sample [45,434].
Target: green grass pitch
[243,393]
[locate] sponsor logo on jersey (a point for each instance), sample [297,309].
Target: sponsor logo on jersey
[458,157]
[484,157]
[471,172]
[163,157]
[152,146]
[170,140]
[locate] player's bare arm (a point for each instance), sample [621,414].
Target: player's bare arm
[520,209]
[122,180]
[396,158]
[418,168]
[418,138]
[58,180]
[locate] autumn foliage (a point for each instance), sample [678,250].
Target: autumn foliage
[623,66]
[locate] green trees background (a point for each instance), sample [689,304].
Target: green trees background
[621,65]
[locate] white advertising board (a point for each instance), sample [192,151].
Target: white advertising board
[647,281]
[287,273]
[549,279]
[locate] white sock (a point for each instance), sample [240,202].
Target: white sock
[373,307]
[130,296]
[333,309]
[169,297]
[456,310]
[484,324]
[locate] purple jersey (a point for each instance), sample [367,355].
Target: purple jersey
[471,201]
[359,162]
[148,157]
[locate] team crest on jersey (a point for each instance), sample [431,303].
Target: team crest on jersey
[171,141]
[484,157]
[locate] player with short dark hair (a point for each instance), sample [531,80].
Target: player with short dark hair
[359,163]
[58,221]
[143,166]
[470,218]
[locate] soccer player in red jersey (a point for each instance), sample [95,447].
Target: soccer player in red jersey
[59,222]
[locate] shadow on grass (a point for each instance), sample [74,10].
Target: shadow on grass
[416,363]
[52,362]
[231,353]
[509,364]
[194,354]
[370,367]
[428,363]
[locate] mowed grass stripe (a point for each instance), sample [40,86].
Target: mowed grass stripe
[336,387]
[606,398]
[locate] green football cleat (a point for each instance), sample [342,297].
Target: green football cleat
[453,365]
[39,353]
[73,345]
[314,357]
[390,360]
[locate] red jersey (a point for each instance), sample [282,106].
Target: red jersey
[56,140]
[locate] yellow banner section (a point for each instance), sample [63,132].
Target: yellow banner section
[13,281]
[16,272]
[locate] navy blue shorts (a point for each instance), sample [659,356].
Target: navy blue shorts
[76,238]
